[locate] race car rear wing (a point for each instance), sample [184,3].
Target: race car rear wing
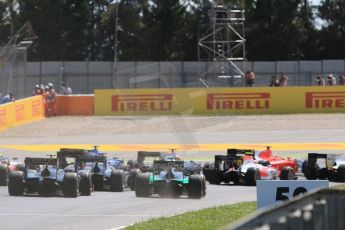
[164,165]
[239,152]
[143,154]
[65,152]
[40,161]
[91,158]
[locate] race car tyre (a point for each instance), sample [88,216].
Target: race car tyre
[213,177]
[251,176]
[3,175]
[16,183]
[196,186]
[323,174]
[70,185]
[20,167]
[131,178]
[116,180]
[85,184]
[203,186]
[142,185]
[287,173]
[309,173]
[341,173]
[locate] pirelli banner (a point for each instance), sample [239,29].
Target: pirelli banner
[21,111]
[212,101]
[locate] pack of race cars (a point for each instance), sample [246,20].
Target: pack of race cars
[74,172]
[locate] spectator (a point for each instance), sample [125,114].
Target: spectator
[8,98]
[320,81]
[274,81]
[283,81]
[64,88]
[250,78]
[50,100]
[42,90]
[342,79]
[36,91]
[331,81]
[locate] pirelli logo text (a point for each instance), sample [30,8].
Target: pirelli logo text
[141,103]
[36,108]
[238,101]
[20,112]
[323,100]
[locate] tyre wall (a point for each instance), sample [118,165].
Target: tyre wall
[21,111]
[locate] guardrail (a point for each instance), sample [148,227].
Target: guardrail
[323,209]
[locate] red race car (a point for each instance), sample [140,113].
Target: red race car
[7,165]
[286,167]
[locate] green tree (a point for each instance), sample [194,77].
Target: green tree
[277,29]
[4,24]
[333,29]
[62,27]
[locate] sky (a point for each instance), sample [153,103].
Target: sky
[315,2]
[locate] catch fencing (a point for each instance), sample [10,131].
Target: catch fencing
[84,77]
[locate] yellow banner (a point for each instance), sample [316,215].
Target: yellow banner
[223,101]
[21,111]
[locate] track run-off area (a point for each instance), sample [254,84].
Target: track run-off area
[194,137]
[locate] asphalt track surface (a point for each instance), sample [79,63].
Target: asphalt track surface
[105,210]
[195,137]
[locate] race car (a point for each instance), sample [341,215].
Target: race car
[6,166]
[169,179]
[324,166]
[190,166]
[43,177]
[239,167]
[286,167]
[104,176]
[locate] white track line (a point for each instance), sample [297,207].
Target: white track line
[74,215]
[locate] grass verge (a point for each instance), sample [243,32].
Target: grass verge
[210,218]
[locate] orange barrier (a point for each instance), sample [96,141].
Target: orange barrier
[74,105]
[21,111]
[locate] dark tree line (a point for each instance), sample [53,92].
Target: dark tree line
[160,30]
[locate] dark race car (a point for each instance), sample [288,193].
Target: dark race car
[324,166]
[43,177]
[6,166]
[169,179]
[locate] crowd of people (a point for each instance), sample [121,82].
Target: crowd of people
[282,80]
[275,81]
[330,81]
[49,94]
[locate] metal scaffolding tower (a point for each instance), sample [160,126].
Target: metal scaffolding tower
[223,42]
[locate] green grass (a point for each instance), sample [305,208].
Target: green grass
[210,218]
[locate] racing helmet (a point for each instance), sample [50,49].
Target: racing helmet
[50,85]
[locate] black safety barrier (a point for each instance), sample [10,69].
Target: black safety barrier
[323,209]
